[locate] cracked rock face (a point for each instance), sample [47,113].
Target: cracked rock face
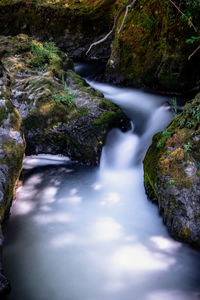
[172,174]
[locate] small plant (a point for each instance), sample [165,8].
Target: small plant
[193,39]
[190,124]
[170,182]
[198,165]
[166,134]
[65,99]
[44,54]
[182,122]
[55,126]
[195,112]
[159,145]
[188,147]
[174,103]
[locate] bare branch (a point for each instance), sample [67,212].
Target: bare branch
[125,15]
[183,14]
[114,25]
[195,51]
[100,41]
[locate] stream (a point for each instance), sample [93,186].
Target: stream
[90,233]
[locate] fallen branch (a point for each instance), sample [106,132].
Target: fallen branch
[195,51]
[114,25]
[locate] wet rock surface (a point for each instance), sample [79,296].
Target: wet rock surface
[12,147]
[79,25]
[60,112]
[172,174]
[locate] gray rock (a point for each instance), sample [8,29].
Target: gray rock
[4,285]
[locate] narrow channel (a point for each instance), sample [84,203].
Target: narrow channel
[90,233]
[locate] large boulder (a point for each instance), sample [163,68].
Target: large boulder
[60,112]
[72,25]
[12,148]
[172,174]
[153,47]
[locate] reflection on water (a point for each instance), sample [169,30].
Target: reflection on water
[83,233]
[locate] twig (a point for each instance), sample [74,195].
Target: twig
[114,25]
[125,15]
[195,51]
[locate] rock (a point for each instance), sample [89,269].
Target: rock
[60,112]
[79,25]
[148,54]
[143,54]
[4,285]
[172,174]
[12,148]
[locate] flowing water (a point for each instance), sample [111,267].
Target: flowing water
[88,233]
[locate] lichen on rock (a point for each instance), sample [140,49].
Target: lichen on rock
[171,173]
[12,148]
[152,50]
[60,112]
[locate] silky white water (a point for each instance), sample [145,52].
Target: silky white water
[86,233]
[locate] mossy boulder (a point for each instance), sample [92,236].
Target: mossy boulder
[12,148]
[172,174]
[72,25]
[60,112]
[152,48]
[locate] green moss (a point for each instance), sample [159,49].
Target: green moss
[3,114]
[150,189]
[46,84]
[13,160]
[82,112]
[8,111]
[167,214]
[68,140]
[104,118]
[108,118]
[77,80]
[105,104]
[166,165]
[184,234]
[157,38]
[14,156]
[15,120]
[151,164]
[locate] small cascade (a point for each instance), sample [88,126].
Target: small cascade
[120,150]
[157,122]
[80,233]
[124,149]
